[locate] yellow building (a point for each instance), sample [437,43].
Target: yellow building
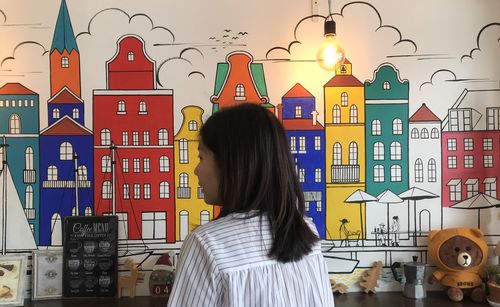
[190,208]
[344,150]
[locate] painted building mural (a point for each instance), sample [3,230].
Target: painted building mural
[105,121]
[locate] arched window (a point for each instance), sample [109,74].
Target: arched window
[183,151]
[105,137]
[239,92]
[183,180]
[163,137]
[164,190]
[106,164]
[353,114]
[378,151]
[204,217]
[82,173]
[52,173]
[121,106]
[29,197]
[56,113]
[378,173]
[66,151]
[193,125]
[88,211]
[419,171]
[344,99]
[143,108]
[14,124]
[396,173]
[164,164]
[76,113]
[336,114]
[337,154]
[28,158]
[431,170]
[130,56]
[376,127]
[424,134]
[353,153]
[106,190]
[64,62]
[434,133]
[414,133]
[397,126]
[395,151]
[386,85]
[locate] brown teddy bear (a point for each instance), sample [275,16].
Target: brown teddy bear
[459,254]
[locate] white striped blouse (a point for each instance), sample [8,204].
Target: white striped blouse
[225,263]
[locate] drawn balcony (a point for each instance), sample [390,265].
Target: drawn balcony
[183,192]
[30,213]
[66,184]
[345,173]
[29,176]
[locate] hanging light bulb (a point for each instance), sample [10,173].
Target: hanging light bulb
[330,53]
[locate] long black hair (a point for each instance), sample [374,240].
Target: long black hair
[256,173]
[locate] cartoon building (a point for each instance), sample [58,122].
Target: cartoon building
[190,208]
[134,163]
[240,80]
[344,149]
[19,127]
[66,162]
[470,144]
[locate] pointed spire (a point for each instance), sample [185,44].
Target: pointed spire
[64,38]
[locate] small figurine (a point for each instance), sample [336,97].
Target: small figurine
[370,278]
[131,280]
[338,287]
[161,279]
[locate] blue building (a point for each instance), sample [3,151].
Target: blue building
[307,145]
[19,127]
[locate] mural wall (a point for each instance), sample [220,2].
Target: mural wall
[101,103]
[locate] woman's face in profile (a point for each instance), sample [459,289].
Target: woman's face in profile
[208,174]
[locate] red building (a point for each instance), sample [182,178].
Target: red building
[470,146]
[133,146]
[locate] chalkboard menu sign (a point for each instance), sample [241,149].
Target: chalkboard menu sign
[90,256]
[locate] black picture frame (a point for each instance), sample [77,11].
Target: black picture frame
[90,256]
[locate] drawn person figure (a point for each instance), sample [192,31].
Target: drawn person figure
[395,227]
[260,250]
[383,233]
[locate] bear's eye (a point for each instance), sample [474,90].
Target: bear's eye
[468,248]
[457,249]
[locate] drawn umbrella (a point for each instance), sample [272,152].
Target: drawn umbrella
[359,197]
[388,197]
[478,202]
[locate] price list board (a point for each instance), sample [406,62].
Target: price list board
[90,257]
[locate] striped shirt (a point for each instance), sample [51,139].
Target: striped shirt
[226,263]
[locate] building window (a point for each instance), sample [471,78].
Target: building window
[460,119]
[154,225]
[319,206]
[106,164]
[302,144]
[121,107]
[376,127]
[490,186]
[378,173]
[193,125]
[28,196]
[452,144]
[239,93]
[137,165]
[434,133]
[82,173]
[353,114]
[468,144]
[164,190]
[317,175]
[468,161]
[124,138]
[488,144]
[135,138]
[386,85]
[14,124]
[452,162]
[298,111]
[396,173]
[66,151]
[317,143]
[425,133]
[183,180]
[336,114]
[145,138]
[431,170]
[107,192]
[28,158]
[146,165]
[293,144]
[378,151]
[344,99]
[395,151]
[52,173]
[493,118]
[353,153]
[137,191]
[472,186]
[105,137]
[337,154]
[183,151]
[130,56]
[419,171]
[64,62]
[414,133]
[147,191]
[142,108]
[125,165]
[126,191]
[163,137]
[488,161]
[397,126]
[455,190]
[76,113]
[164,164]
[56,113]
[302,175]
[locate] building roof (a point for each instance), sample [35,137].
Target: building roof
[297,91]
[66,126]
[15,89]
[424,114]
[65,96]
[344,81]
[64,38]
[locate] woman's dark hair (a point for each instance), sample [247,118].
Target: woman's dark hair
[257,173]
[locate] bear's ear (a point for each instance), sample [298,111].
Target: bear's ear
[477,232]
[432,234]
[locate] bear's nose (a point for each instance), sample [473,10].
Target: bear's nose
[466,257]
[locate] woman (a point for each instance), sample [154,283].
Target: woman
[260,251]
